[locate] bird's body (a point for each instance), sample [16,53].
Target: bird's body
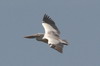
[51,35]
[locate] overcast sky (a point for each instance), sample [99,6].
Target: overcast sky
[78,21]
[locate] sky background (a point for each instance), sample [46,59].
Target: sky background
[78,21]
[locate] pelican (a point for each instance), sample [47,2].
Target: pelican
[51,35]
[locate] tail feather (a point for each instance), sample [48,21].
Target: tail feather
[64,42]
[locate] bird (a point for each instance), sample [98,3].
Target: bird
[51,35]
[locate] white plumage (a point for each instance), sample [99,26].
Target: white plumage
[51,35]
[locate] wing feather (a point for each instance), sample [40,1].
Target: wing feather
[49,25]
[59,48]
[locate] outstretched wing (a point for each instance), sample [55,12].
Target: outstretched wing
[59,48]
[49,25]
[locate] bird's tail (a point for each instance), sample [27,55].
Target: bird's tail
[65,42]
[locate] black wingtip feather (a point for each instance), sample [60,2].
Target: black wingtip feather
[47,19]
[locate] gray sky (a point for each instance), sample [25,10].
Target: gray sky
[78,21]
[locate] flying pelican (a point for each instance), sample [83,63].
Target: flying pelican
[51,35]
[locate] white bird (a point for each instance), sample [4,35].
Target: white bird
[51,35]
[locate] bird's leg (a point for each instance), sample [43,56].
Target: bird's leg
[52,46]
